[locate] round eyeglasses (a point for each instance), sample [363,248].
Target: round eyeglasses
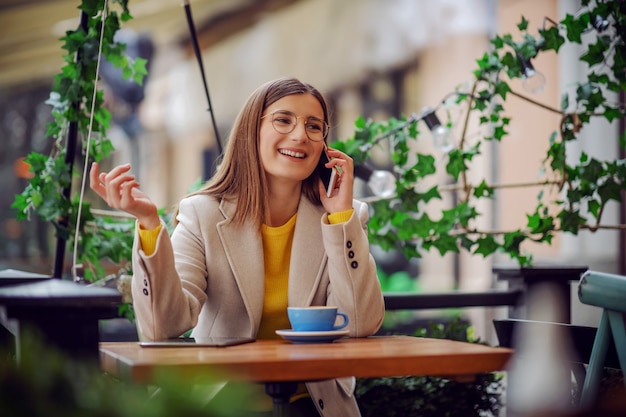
[285,121]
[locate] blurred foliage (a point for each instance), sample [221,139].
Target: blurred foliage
[428,396]
[49,383]
[399,281]
[583,187]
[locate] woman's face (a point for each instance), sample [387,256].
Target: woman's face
[290,157]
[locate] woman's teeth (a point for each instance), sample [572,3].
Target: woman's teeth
[292,153]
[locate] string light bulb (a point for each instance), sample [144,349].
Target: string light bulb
[533,81]
[381,182]
[442,135]
[600,24]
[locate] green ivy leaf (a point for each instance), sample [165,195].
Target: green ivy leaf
[483,190]
[523,25]
[595,54]
[570,221]
[594,207]
[512,241]
[501,88]
[612,113]
[486,245]
[539,224]
[610,190]
[575,28]
[445,244]
[552,39]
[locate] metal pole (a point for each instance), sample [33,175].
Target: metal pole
[196,49]
[70,154]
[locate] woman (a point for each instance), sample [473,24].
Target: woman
[261,235]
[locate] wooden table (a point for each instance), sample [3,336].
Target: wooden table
[281,364]
[528,278]
[66,314]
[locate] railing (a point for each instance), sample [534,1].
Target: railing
[520,281]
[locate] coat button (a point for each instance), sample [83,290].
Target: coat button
[320,402]
[354,264]
[145,291]
[349,244]
[351,254]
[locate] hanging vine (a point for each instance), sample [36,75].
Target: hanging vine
[585,187]
[71,101]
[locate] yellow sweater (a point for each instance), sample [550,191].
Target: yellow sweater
[277,256]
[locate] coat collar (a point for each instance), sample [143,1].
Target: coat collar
[244,251]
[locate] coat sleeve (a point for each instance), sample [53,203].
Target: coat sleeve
[166,306]
[353,281]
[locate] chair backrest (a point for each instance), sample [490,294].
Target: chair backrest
[600,289]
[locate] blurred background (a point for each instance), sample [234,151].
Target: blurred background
[375,58]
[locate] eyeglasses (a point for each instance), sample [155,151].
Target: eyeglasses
[285,121]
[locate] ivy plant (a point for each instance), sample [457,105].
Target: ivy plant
[73,104]
[584,187]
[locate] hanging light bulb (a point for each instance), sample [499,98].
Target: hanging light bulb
[533,81]
[442,135]
[381,182]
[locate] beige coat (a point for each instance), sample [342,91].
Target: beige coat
[209,277]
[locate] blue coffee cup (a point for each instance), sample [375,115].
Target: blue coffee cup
[315,318]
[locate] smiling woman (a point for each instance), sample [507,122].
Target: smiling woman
[261,234]
[287,152]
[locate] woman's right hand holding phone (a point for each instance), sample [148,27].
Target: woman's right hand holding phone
[120,190]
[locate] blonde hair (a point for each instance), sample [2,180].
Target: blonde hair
[240,175]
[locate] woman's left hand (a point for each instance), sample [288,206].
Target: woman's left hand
[342,195]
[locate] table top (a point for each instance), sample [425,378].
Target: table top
[15,277]
[55,292]
[280,360]
[540,273]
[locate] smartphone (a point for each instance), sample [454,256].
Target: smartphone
[199,341]
[328,175]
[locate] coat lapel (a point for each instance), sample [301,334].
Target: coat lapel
[244,252]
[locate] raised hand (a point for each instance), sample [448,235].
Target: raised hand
[121,191]
[341,197]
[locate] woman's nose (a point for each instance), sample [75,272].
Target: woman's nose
[299,132]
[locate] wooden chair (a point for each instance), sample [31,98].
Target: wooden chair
[581,338]
[597,348]
[607,291]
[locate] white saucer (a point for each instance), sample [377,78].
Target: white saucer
[311,337]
